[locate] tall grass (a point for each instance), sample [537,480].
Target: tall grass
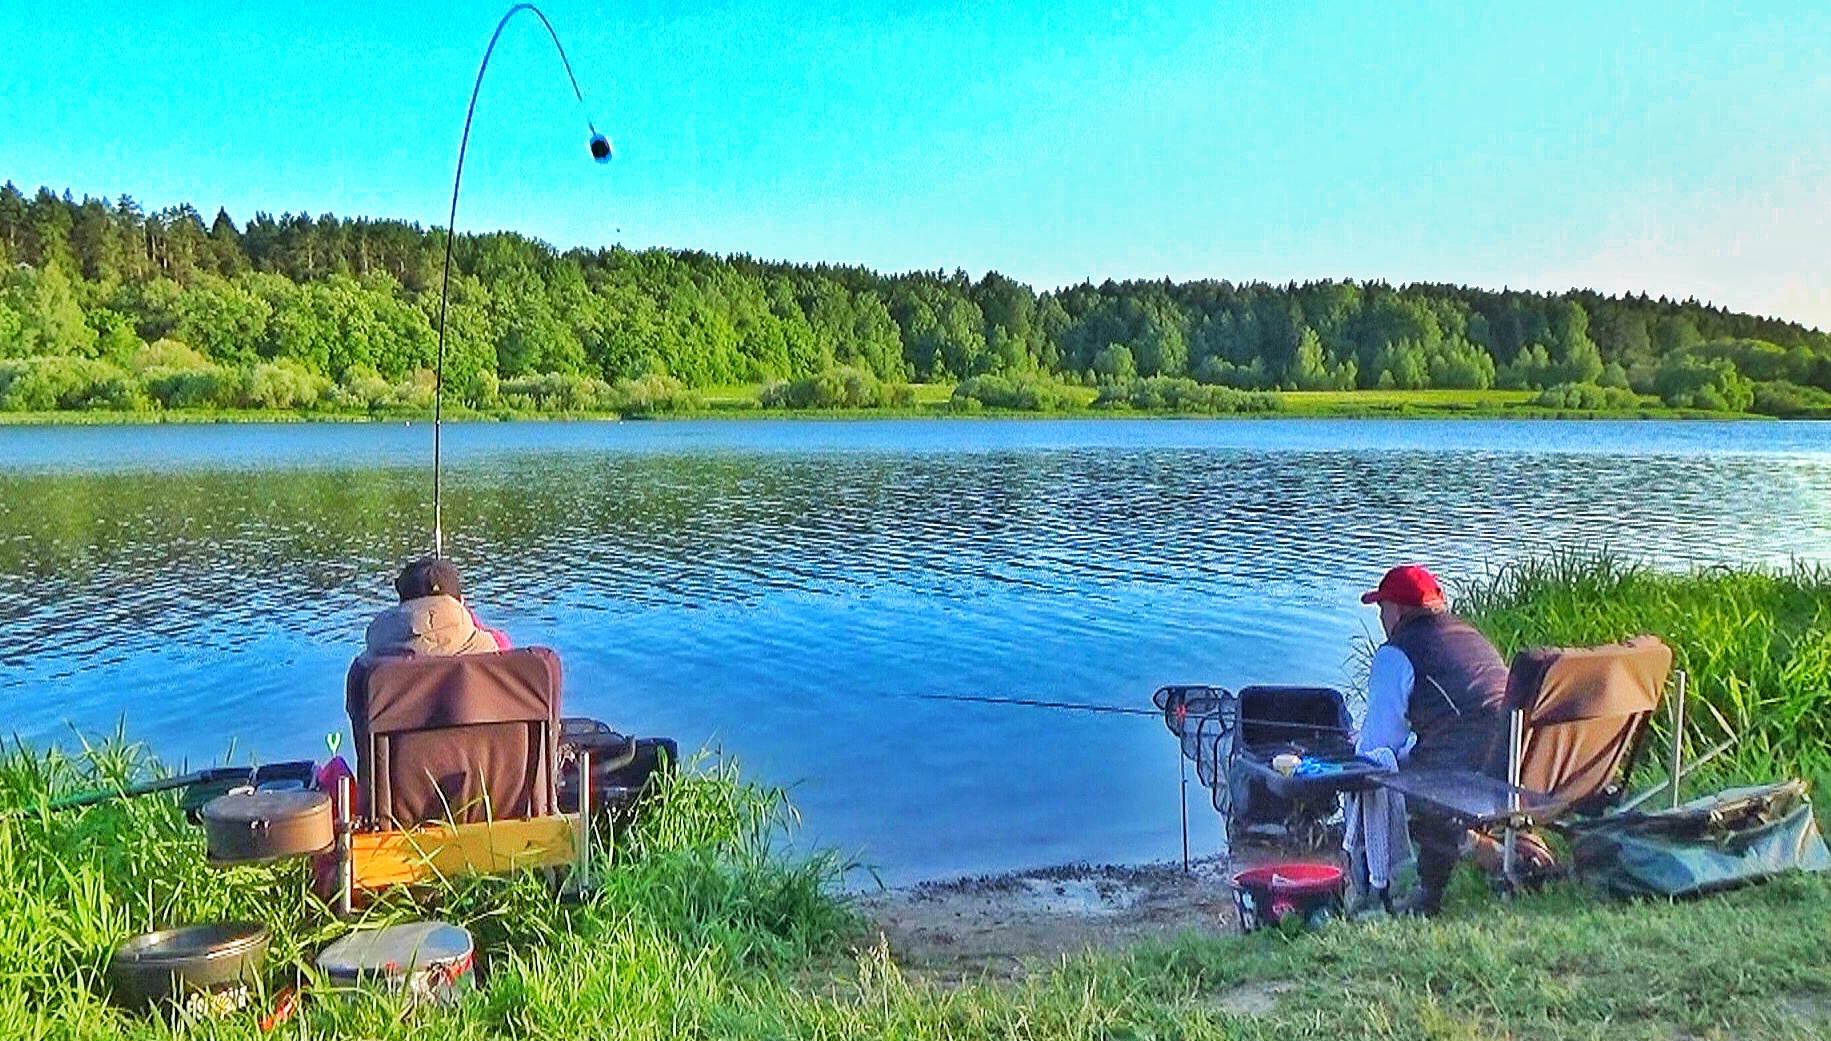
[691,897]
[1755,643]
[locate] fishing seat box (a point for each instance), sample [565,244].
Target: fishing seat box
[1303,721]
[622,767]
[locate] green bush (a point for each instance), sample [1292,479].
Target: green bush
[363,388]
[1684,380]
[1587,397]
[63,382]
[1022,393]
[842,387]
[1180,394]
[207,387]
[654,395]
[168,354]
[1789,400]
[278,385]
[558,392]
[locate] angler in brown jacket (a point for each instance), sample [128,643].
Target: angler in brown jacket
[432,618]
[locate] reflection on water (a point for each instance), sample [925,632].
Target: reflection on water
[780,590]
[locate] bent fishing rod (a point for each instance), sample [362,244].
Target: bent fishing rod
[600,150]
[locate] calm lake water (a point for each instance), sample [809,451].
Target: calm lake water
[784,591]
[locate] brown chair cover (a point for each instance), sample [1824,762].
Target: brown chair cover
[461,739]
[1586,713]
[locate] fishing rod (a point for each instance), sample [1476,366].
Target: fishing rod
[600,150]
[1121,710]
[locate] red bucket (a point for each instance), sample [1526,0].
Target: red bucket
[1308,894]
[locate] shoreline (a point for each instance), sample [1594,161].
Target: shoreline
[253,418]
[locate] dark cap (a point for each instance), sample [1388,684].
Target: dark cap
[429,576]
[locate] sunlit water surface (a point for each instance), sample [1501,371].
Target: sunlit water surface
[787,591]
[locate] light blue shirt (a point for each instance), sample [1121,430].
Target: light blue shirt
[1389,683]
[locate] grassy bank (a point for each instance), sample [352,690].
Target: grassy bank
[700,931]
[929,400]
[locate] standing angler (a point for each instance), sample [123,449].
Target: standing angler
[1438,686]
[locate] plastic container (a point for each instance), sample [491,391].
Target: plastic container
[1294,895]
[209,969]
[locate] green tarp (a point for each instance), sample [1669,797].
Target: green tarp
[1717,842]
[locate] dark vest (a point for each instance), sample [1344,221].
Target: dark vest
[1458,692]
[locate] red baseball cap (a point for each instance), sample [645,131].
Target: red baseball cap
[1409,585]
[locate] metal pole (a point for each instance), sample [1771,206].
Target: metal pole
[346,874]
[1678,735]
[1182,770]
[1516,739]
[584,884]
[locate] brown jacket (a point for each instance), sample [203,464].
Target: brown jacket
[435,625]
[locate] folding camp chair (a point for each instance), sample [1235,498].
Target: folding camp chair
[1577,723]
[458,770]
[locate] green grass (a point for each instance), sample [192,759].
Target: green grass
[1490,404]
[1468,400]
[933,400]
[1757,645]
[701,929]
[700,932]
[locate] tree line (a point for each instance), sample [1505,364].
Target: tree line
[106,305]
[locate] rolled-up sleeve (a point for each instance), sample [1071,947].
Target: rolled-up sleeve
[1388,691]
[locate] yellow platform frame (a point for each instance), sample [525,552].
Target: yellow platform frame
[379,859]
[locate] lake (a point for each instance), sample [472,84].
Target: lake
[787,592]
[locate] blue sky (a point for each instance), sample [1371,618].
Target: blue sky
[1674,148]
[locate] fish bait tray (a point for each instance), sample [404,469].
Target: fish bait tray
[1351,775]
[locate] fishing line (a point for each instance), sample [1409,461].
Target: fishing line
[1034,703]
[600,150]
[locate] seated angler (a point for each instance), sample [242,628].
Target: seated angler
[431,618]
[1435,696]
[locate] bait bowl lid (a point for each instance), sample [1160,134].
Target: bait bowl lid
[248,807]
[394,951]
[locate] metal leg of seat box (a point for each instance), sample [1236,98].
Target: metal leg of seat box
[344,807]
[1678,736]
[584,843]
[1516,739]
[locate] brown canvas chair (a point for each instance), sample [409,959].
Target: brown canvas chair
[1583,714]
[456,739]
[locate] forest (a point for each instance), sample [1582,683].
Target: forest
[106,306]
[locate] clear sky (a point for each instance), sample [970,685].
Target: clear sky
[1671,147]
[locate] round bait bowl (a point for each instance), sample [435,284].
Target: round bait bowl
[215,965]
[1292,895]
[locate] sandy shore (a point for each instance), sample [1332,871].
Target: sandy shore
[1001,925]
